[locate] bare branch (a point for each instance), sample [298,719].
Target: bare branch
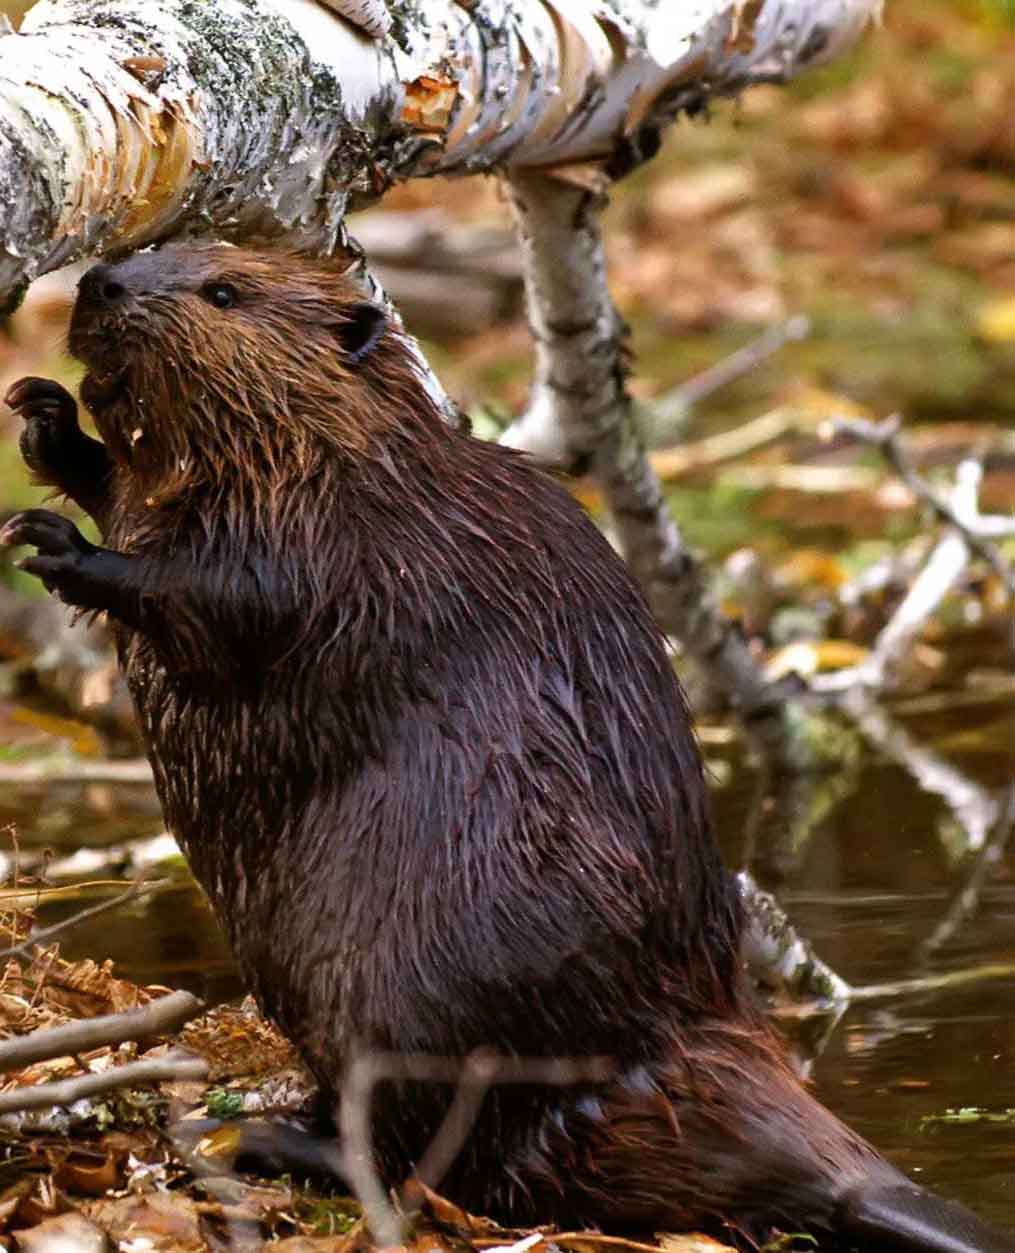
[965,518]
[159,1017]
[974,807]
[674,404]
[74,770]
[985,973]
[581,414]
[942,570]
[478,1073]
[173,1066]
[967,899]
[137,888]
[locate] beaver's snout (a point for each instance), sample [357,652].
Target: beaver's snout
[101,287]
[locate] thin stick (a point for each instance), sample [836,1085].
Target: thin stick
[480,1071]
[967,899]
[940,572]
[694,390]
[67,1091]
[668,463]
[157,1018]
[934,983]
[58,928]
[57,769]
[975,531]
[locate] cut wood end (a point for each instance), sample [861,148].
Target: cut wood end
[428,103]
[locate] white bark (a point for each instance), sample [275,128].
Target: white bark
[581,416]
[122,121]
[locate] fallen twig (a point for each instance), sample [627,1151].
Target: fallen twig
[939,574]
[975,808]
[156,1018]
[63,770]
[173,1066]
[58,928]
[668,463]
[934,983]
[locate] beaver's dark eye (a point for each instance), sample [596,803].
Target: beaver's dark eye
[221,295]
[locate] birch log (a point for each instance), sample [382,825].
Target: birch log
[125,121]
[581,415]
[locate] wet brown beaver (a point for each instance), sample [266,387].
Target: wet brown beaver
[422,743]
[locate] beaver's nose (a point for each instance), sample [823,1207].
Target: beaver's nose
[101,286]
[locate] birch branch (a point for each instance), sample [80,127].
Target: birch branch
[967,531]
[777,957]
[962,513]
[974,807]
[581,413]
[122,121]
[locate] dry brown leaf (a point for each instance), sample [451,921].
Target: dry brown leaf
[70,1231]
[236,1041]
[168,1221]
[90,1173]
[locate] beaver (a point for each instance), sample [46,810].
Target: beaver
[422,743]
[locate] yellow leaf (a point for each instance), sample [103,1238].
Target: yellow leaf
[807,657]
[995,321]
[818,405]
[83,739]
[811,567]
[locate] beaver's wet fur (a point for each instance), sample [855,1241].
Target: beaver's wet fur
[413,724]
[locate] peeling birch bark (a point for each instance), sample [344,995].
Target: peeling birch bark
[778,958]
[124,121]
[581,415]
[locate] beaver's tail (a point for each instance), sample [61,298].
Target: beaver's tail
[724,1138]
[909,1219]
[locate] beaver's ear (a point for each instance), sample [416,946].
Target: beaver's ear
[360,331]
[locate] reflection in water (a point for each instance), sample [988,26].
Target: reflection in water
[868,884]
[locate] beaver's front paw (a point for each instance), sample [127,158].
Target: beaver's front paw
[51,431]
[63,554]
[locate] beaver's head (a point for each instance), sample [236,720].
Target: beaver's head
[206,353]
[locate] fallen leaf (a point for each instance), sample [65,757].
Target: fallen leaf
[67,1233]
[807,657]
[995,321]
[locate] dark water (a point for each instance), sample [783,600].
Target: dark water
[869,883]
